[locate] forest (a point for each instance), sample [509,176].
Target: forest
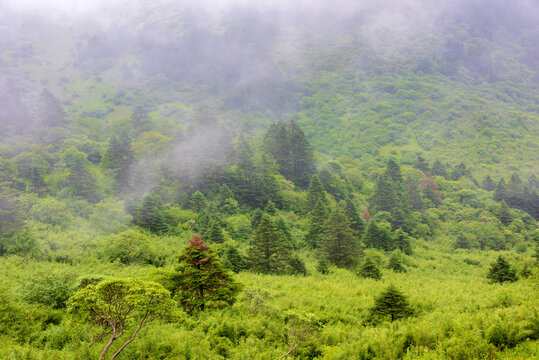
[273,181]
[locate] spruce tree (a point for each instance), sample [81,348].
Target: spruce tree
[149,214]
[277,143]
[401,241]
[500,271]
[422,164]
[356,222]
[377,237]
[503,213]
[198,201]
[141,121]
[301,156]
[234,260]
[215,235]
[500,191]
[51,112]
[384,197]
[488,184]
[323,266]
[201,279]
[369,269]
[439,169]
[268,253]
[338,243]
[395,263]
[256,217]
[317,224]
[315,192]
[393,303]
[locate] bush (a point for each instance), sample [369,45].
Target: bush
[51,290]
[131,247]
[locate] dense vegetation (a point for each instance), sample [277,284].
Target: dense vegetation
[350,204]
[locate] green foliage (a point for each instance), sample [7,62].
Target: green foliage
[198,201]
[500,271]
[268,253]
[323,266]
[395,262]
[338,243]
[368,269]
[201,280]
[234,260]
[130,247]
[52,290]
[391,302]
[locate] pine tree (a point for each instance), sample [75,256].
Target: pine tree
[393,303]
[201,280]
[12,214]
[315,192]
[244,156]
[384,198]
[369,269]
[118,157]
[80,179]
[270,208]
[277,143]
[401,241]
[500,271]
[323,266]
[256,217]
[297,266]
[268,253]
[338,243]
[149,215]
[141,121]
[503,213]
[393,171]
[51,112]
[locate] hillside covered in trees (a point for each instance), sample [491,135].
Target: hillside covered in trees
[353,180]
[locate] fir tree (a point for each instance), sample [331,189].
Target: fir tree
[215,235]
[51,111]
[270,208]
[500,271]
[315,192]
[377,237]
[277,143]
[323,266]
[393,171]
[439,169]
[268,253]
[384,198]
[488,184]
[80,178]
[401,241]
[338,243]
[234,260]
[395,263]
[393,303]
[422,164]
[244,156]
[297,266]
[256,217]
[141,121]
[317,224]
[356,222]
[301,156]
[369,269]
[500,191]
[503,213]
[200,278]
[149,215]
[198,201]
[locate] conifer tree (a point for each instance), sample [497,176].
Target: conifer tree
[356,222]
[270,208]
[393,171]
[338,243]
[268,253]
[277,143]
[500,191]
[12,214]
[317,224]
[301,156]
[323,266]
[244,156]
[315,192]
[503,213]
[488,184]
[51,112]
[500,271]
[422,164]
[234,260]
[198,201]
[439,169]
[256,217]
[141,121]
[393,303]
[384,198]
[376,237]
[201,279]
[80,178]
[369,269]
[401,241]
[215,235]
[395,263]
[149,215]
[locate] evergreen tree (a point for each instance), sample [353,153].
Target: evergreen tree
[141,121]
[384,198]
[51,112]
[200,278]
[234,260]
[244,156]
[215,235]
[369,269]
[323,266]
[270,208]
[315,192]
[149,215]
[503,213]
[500,191]
[80,180]
[198,201]
[301,156]
[356,222]
[118,157]
[393,303]
[256,217]
[268,253]
[377,237]
[439,169]
[416,203]
[393,171]
[297,266]
[12,214]
[284,232]
[401,241]
[488,184]
[500,271]
[338,243]
[395,263]
[317,224]
[422,164]
[277,143]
